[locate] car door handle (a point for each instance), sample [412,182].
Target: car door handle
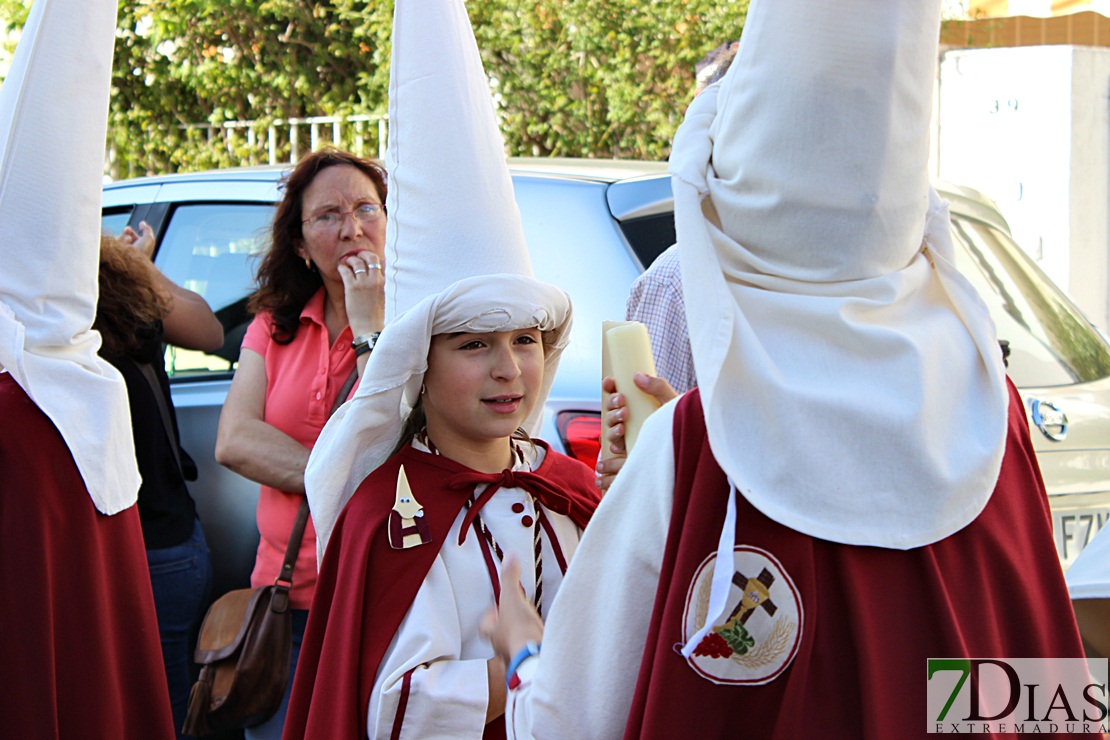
[1047,417]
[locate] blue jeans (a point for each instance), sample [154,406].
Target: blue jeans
[182,580]
[271,728]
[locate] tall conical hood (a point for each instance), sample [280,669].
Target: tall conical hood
[452,213]
[820,290]
[53,120]
[820,287]
[456,259]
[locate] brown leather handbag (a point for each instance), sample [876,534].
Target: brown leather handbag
[243,649]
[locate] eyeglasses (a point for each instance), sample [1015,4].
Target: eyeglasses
[366,213]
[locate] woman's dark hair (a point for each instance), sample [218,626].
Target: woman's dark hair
[284,283]
[130,304]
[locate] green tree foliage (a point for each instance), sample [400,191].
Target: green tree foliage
[594,78]
[190,61]
[597,78]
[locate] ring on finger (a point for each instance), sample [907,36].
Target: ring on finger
[360,271]
[373,266]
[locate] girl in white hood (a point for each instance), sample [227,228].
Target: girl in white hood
[430,463]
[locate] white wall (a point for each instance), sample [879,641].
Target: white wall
[1089,220]
[1035,8]
[1030,127]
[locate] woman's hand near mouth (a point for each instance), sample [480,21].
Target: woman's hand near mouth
[364,291]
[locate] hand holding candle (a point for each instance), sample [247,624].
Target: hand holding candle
[625,351]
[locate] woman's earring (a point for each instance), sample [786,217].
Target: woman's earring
[307,263]
[423,388]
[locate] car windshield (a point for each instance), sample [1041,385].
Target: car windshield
[1051,343]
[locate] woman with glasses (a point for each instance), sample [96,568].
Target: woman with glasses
[319,307]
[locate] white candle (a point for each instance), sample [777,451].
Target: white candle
[626,350]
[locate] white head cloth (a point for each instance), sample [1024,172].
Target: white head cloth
[456,259]
[53,119]
[1089,576]
[851,380]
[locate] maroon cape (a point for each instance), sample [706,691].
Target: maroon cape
[365,587]
[81,652]
[872,616]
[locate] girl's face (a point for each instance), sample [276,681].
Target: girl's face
[480,387]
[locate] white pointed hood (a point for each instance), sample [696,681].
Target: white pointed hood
[452,213]
[1089,575]
[53,120]
[852,383]
[456,259]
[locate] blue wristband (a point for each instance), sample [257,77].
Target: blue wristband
[530,648]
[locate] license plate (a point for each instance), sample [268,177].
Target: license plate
[1075,528]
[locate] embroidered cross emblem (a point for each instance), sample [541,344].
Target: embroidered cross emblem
[756,594]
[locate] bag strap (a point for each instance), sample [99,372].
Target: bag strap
[293,548]
[348,384]
[163,409]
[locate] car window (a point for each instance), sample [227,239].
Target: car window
[211,249]
[113,223]
[650,236]
[1051,343]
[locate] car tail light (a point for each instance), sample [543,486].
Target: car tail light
[580,432]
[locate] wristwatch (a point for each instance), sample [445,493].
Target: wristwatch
[363,343]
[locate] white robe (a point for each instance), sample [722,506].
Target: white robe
[439,636]
[582,684]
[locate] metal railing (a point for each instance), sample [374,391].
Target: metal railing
[279,141]
[356,139]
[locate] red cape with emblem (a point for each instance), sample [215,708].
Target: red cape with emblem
[870,617]
[350,627]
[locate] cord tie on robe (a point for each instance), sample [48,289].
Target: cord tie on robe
[542,490]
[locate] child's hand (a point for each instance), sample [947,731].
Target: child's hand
[515,621]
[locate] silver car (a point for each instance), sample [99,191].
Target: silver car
[592,226]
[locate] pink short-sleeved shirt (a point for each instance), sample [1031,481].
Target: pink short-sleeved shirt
[302,381]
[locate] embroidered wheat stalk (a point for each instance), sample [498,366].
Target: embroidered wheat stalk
[702,605]
[770,648]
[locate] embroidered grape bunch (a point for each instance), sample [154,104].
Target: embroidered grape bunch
[713,646]
[726,641]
